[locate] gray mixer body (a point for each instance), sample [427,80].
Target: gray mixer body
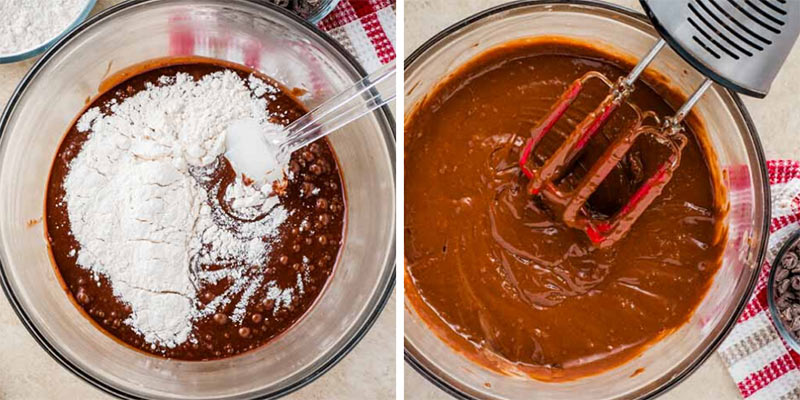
[740,44]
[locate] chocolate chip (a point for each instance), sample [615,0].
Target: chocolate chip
[315,169]
[795,324]
[782,302]
[283,259]
[783,286]
[324,165]
[307,189]
[244,332]
[308,156]
[789,261]
[322,203]
[82,297]
[781,273]
[220,318]
[257,318]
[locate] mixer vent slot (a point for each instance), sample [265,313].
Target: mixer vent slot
[735,32]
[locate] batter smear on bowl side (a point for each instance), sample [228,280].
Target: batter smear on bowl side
[489,268]
[157,238]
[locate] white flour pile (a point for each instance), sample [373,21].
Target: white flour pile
[25,24]
[141,218]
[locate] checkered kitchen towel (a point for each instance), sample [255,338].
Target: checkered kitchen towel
[366,28]
[761,364]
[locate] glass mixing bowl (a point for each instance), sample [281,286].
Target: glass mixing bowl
[244,31]
[739,155]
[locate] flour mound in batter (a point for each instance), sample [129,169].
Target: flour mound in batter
[142,218]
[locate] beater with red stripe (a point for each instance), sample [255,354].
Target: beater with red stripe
[735,46]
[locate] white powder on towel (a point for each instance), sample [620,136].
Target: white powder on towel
[26,24]
[142,219]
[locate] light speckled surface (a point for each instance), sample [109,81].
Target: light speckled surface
[28,373]
[776,117]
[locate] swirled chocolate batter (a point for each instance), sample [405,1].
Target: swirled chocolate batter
[500,279]
[161,243]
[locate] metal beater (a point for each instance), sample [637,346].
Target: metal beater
[739,44]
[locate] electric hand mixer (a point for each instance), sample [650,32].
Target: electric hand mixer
[739,44]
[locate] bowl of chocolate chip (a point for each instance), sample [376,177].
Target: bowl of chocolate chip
[783,291]
[134,252]
[515,302]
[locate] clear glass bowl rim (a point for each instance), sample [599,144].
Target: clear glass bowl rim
[389,141]
[443,384]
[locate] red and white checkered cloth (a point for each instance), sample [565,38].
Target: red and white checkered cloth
[366,28]
[759,361]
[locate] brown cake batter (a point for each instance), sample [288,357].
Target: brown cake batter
[315,196]
[501,280]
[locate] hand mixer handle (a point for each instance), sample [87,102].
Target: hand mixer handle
[739,44]
[352,103]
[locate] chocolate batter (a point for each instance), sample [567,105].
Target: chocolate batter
[316,194]
[489,268]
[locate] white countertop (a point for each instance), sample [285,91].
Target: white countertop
[28,373]
[775,117]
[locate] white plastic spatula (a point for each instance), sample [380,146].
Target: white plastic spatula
[261,151]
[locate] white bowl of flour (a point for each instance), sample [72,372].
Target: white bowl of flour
[29,27]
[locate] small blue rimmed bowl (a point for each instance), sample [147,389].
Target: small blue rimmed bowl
[785,332]
[39,49]
[325,7]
